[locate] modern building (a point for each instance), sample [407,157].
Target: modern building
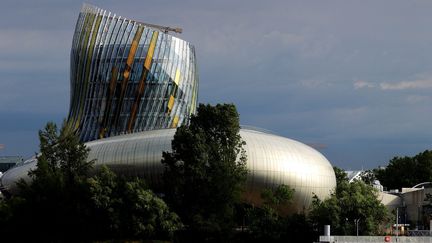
[127,77]
[132,84]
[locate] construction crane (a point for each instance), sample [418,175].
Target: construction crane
[164,29]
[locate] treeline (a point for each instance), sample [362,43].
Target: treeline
[64,202]
[200,200]
[406,171]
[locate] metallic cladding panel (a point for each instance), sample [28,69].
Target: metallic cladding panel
[127,77]
[271,160]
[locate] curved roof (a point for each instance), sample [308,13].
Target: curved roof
[271,160]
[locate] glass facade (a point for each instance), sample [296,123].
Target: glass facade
[127,77]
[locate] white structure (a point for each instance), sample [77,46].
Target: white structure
[271,160]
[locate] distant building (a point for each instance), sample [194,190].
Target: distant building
[414,205]
[7,162]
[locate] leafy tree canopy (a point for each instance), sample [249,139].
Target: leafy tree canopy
[406,171]
[206,170]
[266,224]
[349,202]
[65,203]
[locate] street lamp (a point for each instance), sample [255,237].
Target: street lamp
[356,221]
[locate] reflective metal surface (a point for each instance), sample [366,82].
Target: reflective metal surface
[271,160]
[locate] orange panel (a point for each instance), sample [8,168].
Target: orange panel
[140,89]
[175,122]
[171,103]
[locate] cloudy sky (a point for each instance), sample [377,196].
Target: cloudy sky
[351,77]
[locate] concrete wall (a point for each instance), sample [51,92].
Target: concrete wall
[389,200]
[413,200]
[373,239]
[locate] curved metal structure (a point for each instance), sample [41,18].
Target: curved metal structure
[422,184]
[129,80]
[271,160]
[127,77]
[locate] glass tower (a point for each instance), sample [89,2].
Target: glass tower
[127,77]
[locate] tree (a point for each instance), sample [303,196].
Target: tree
[349,202]
[341,180]
[267,224]
[406,171]
[53,203]
[206,170]
[368,177]
[64,202]
[126,209]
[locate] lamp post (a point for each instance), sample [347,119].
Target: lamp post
[356,221]
[397,223]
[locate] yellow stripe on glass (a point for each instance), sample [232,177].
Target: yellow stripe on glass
[141,85]
[175,122]
[177,77]
[150,52]
[132,52]
[170,103]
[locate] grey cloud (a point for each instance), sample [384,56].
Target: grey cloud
[415,84]
[419,99]
[359,84]
[395,86]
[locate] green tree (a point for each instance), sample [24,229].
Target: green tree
[341,180]
[64,203]
[267,224]
[349,202]
[406,171]
[206,170]
[126,209]
[52,204]
[368,177]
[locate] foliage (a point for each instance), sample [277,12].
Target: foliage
[406,171]
[52,204]
[127,209]
[267,224]
[63,202]
[368,177]
[279,197]
[349,202]
[341,180]
[206,170]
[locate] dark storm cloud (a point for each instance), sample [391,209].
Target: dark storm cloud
[354,75]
